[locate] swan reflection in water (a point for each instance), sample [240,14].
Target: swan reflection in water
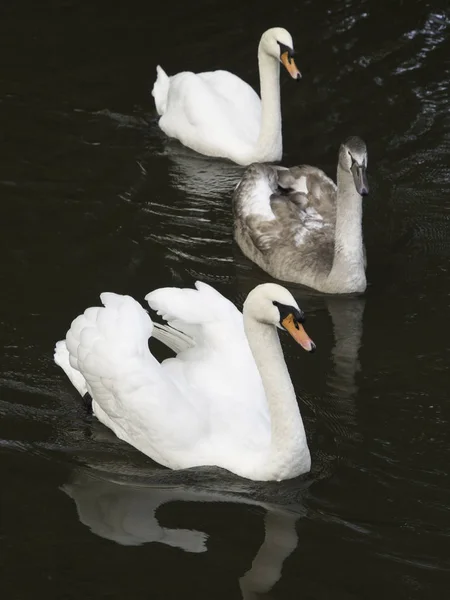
[120,510]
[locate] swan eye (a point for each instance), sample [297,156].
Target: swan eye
[284,48]
[295,315]
[354,162]
[291,320]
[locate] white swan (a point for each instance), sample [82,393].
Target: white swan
[226,399]
[218,114]
[299,226]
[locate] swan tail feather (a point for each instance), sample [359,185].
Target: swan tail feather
[160,90]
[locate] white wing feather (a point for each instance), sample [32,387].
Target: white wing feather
[205,406]
[214,113]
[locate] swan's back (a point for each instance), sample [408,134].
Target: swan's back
[319,190]
[215,113]
[285,220]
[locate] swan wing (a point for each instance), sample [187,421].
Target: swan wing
[131,394]
[254,216]
[237,92]
[319,190]
[216,361]
[214,113]
[212,351]
[277,207]
[202,407]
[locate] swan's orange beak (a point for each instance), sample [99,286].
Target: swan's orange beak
[290,65]
[295,329]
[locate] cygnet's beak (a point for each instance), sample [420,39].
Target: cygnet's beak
[289,63]
[296,330]
[360,179]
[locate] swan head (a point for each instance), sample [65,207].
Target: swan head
[353,158]
[272,304]
[277,42]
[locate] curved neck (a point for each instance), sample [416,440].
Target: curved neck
[289,454]
[270,137]
[348,263]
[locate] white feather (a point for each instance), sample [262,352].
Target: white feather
[61,357]
[257,201]
[172,338]
[180,411]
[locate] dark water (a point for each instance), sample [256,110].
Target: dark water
[95,198]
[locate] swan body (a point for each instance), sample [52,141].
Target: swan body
[299,226]
[226,399]
[218,114]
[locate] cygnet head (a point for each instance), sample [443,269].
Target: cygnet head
[277,42]
[353,158]
[272,304]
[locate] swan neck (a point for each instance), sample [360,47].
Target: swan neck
[270,135]
[289,450]
[348,249]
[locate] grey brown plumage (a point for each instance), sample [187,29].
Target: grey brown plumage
[286,221]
